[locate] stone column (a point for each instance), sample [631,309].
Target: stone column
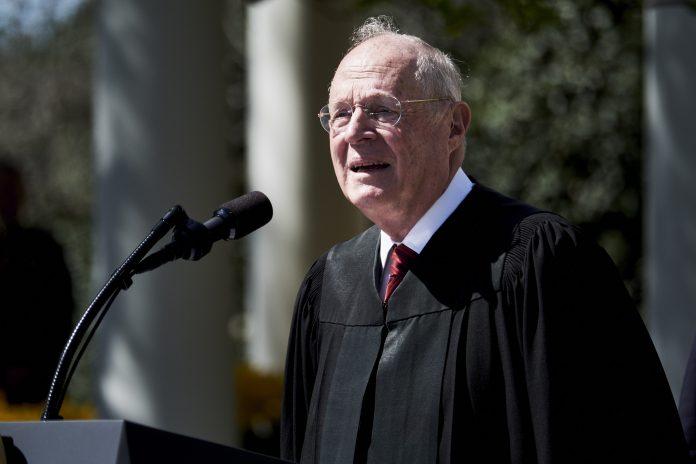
[164,355]
[293,48]
[670,99]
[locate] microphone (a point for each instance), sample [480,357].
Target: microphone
[240,217]
[193,240]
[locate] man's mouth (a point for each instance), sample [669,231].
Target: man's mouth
[368,167]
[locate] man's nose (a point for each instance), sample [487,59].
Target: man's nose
[359,126]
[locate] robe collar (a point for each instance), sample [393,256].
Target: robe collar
[423,230]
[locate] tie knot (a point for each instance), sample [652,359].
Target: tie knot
[401,259]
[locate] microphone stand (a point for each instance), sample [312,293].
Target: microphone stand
[121,279]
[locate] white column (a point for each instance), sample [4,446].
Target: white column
[293,47]
[165,358]
[670,99]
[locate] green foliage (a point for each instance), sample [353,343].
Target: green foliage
[556,94]
[45,119]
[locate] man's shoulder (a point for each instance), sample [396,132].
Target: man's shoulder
[497,206]
[358,252]
[368,238]
[486,222]
[513,227]
[544,237]
[520,219]
[356,247]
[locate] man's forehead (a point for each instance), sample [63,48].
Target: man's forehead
[380,53]
[366,69]
[375,63]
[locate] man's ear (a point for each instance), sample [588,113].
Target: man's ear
[461,118]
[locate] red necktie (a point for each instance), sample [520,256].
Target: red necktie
[401,259]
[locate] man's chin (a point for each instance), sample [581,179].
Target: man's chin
[368,199]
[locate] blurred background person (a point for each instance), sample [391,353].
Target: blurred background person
[36,299]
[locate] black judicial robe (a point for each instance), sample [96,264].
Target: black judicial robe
[511,340]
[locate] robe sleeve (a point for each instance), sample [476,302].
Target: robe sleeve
[595,387]
[687,403]
[300,364]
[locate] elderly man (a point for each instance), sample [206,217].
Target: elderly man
[510,339]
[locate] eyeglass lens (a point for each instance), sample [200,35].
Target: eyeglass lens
[385,110]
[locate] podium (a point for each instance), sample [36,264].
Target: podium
[112,442]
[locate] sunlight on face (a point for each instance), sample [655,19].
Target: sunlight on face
[391,173]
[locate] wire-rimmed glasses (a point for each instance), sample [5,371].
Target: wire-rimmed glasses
[385,110]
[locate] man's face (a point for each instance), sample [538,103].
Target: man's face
[392,174]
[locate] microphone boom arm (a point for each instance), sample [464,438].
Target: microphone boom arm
[120,279]
[191,240]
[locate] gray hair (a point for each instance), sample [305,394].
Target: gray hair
[436,72]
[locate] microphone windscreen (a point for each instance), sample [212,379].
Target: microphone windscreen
[250,211]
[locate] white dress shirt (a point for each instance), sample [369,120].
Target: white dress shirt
[423,230]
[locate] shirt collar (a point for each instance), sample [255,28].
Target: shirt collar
[423,230]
